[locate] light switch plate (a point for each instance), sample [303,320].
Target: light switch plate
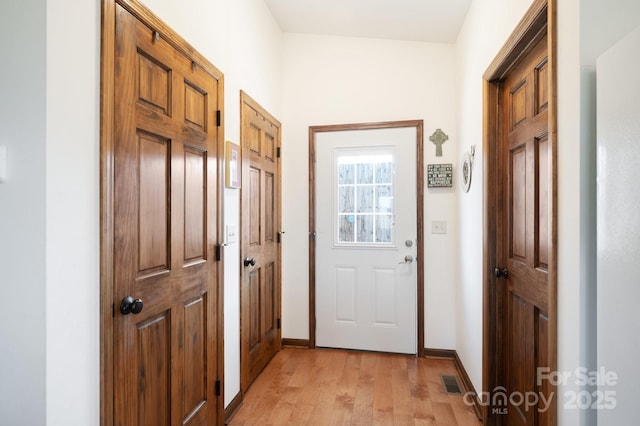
[232,234]
[438,226]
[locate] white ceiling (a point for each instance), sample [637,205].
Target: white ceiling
[437,21]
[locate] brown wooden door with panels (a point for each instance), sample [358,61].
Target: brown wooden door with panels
[520,337]
[261,237]
[161,363]
[526,237]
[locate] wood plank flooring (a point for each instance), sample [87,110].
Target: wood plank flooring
[338,387]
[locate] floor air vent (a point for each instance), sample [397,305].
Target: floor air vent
[451,385]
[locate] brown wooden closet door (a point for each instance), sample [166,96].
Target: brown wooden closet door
[527,167]
[260,292]
[165,358]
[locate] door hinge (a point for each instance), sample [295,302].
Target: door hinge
[278,323]
[279,237]
[218,386]
[218,118]
[278,152]
[218,252]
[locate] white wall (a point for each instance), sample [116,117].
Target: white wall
[598,27]
[337,80]
[588,287]
[22,213]
[601,25]
[73,209]
[619,225]
[570,262]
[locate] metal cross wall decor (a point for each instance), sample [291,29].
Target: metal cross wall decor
[438,138]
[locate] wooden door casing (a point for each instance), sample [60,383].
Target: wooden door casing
[364,293]
[260,289]
[313,130]
[520,205]
[160,213]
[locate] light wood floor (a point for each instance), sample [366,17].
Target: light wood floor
[337,387]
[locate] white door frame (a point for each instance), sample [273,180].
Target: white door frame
[313,130]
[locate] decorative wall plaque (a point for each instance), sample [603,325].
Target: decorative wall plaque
[467,168]
[440,175]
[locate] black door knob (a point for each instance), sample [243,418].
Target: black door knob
[501,272]
[129,305]
[249,261]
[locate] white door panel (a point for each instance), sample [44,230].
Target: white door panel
[365,213]
[344,294]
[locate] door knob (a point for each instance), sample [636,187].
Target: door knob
[129,305]
[407,259]
[249,261]
[501,272]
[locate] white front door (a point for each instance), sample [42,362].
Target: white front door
[366,239]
